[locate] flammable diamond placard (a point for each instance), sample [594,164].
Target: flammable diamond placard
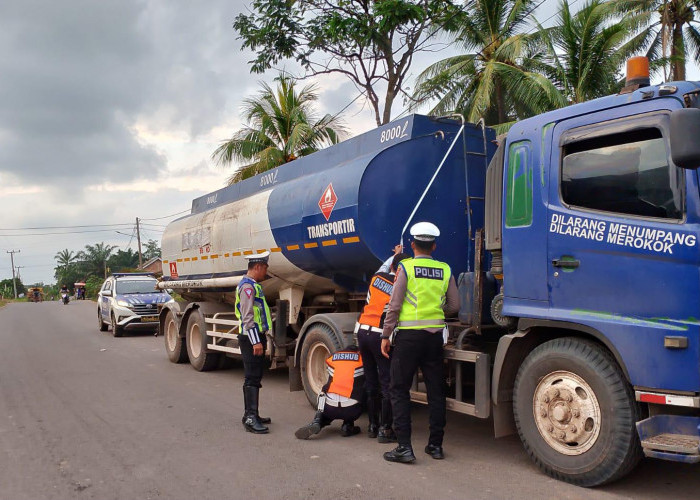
[327,201]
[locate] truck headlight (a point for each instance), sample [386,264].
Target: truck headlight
[123,303]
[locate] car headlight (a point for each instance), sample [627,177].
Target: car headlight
[123,303]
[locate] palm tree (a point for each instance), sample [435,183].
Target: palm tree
[588,48]
[65,258]
[95,258]
[497,77]
[281,127]
[671,30]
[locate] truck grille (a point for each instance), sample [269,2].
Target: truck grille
[145,309]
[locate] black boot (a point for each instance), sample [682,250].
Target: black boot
[386,434]
[349,428]
[311,429]
[250,418]
[263,420]
[372,414]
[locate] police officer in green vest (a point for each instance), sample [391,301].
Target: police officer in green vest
[254,314]
[424,292]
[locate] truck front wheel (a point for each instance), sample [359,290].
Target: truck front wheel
[201,358]
[174,343]
[575,413]
[319,343]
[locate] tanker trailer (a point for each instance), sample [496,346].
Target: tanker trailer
[329,220]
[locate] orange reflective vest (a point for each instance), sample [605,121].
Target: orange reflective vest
[378,296]
[346,374]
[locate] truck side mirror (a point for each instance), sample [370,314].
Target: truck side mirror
[685,147]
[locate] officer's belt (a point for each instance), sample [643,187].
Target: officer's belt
[340,404]
[433,323]
[360,326]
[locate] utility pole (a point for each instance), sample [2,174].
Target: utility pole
[138,238]
[12,260]
[19,278]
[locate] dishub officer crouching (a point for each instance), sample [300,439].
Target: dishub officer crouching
[340,397]
[254,314]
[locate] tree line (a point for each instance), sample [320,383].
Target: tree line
[94,263]
[510,64]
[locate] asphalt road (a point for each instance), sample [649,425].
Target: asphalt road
[86,415]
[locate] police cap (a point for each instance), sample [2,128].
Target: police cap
[424,231]
[258,258]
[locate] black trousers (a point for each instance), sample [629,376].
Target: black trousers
[415,349]
[375,364]
[347,414]
[252,365]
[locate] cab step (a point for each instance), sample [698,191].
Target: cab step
[671,437]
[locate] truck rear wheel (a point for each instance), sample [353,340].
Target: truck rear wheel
[174,343]
[575,413]
[201,358]
[319,343]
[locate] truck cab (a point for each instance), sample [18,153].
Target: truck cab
[596,223]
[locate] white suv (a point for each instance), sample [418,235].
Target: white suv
[129,300]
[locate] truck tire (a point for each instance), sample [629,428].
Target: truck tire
[174,344]
[103,326]
[576,413]
[319,343]
[201,358]
[117,331]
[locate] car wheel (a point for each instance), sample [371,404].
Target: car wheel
[100,323]
[117,331]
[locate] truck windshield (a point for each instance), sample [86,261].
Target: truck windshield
[137,286]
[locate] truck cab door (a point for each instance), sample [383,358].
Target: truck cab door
[623,242]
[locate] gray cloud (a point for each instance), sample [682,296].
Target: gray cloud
[77,75]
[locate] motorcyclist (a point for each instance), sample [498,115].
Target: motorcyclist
[64,289]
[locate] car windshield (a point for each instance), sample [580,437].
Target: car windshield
[136,286]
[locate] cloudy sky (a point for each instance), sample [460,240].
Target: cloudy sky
[110,110]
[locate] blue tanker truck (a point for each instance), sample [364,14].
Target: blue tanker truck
[574,239]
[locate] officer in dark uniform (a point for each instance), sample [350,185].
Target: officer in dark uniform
[369,329]
[340,398]
[424,291]
[254,314]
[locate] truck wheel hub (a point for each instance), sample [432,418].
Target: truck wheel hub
[567,413]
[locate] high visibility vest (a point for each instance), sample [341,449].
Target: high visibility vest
[378,297]
[426,286]
[261,311]
[346,374]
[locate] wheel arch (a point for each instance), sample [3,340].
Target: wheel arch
[341,324]
[514,348]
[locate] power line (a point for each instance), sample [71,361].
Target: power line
[165,216]
[63,232]
[63,227]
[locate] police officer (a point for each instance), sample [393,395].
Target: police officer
[340,397]
[424,291]
[254,314]
[369,329]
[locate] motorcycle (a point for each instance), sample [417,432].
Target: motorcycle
[65,298]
